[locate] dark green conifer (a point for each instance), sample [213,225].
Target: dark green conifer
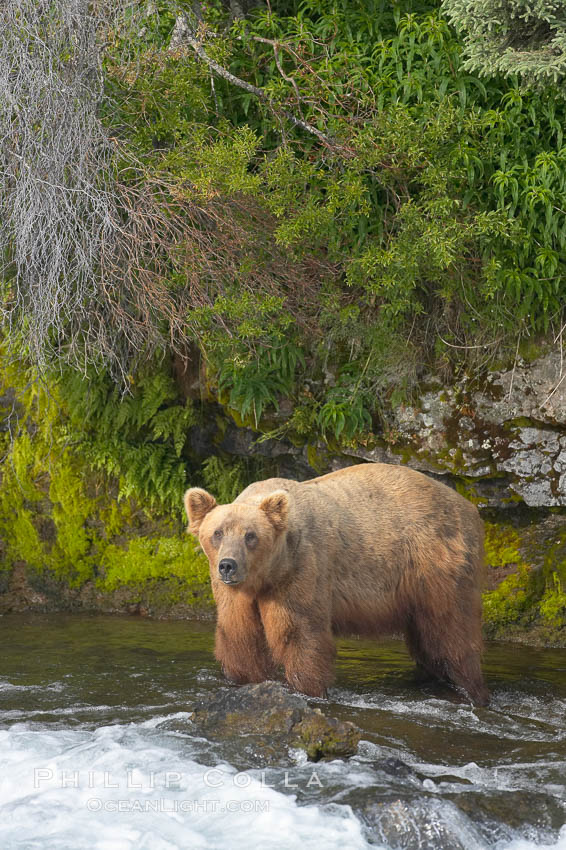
[524,37]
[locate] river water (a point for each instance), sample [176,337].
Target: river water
[97,749]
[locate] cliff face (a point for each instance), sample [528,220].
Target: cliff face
[68,539]
[508,435]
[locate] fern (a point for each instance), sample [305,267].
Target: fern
[139,438]
[225,480]
[255,384]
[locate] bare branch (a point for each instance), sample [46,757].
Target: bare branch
[184,34]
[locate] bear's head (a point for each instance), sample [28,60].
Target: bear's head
[240,539]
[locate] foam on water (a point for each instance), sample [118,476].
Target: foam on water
[54,687]
[530,718]
[128,786]
[521,844]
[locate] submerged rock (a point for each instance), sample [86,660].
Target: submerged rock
[276,719]
[395,767]
[460,821]
[426,824]
[505,812]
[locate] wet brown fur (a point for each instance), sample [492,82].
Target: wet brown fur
[373,549]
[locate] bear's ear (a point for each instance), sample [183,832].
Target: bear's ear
[276,506]
[197,504]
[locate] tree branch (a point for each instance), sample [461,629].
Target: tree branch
[182,33]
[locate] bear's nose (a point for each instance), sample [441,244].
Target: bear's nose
[227,567]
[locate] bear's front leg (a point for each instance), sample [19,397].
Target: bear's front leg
[241,647]
[303,644]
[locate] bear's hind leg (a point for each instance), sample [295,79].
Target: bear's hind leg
[448,649]
[465,672]
[426,669]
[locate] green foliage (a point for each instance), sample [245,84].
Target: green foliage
[553,603]
[74,550]
[43,504]
[423,198]
[44,510]
[19,534]
[526,597]
[378,210]
[523,37]
[304,419]
[257,363]
[344,416]
[139,438]
[253,383]
[225,478]
[435,206]
[502,544]
[511,600]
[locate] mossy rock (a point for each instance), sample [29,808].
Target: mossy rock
[325,737]
[274,720]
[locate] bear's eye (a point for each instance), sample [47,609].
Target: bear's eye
[218,535]
[250,538]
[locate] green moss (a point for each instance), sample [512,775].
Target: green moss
[528,597]
[467,488]
[510,600]
[552,606]
[512,499]
[25,466]
[85,531]
[531,348]
[325,737]
[502,544]
[22,540]
[315,459]
[145,560]
[64,522]
[115,516]
[406,453]
[17,496]
[246,421]
[519,422]
[73,555]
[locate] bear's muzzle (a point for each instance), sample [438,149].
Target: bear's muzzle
[228,569]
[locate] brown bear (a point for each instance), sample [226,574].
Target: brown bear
[372,549]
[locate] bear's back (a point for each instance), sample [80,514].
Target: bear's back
[378,529]
[257,491]
[382,492]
